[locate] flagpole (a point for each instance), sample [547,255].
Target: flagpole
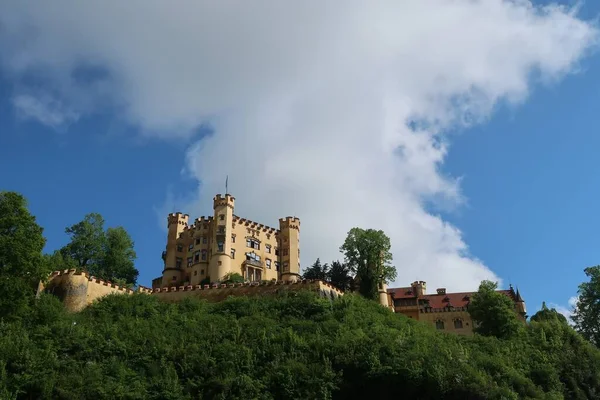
[226,183]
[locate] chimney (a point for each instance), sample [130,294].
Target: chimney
[441,291]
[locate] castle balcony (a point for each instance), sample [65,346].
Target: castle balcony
[252,270]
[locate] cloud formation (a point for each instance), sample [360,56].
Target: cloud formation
[568,310]
[332,111]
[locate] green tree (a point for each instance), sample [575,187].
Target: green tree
[493,312]
[340,276]
[316,271]
[548,314]
[586,314]
[21,245]
[57,261]
[118,257]
[367,254]
[108,255]
[87,243]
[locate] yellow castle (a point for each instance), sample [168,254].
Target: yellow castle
[213,247]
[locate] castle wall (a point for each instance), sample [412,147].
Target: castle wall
[448,318]
[216,293]
[77,290]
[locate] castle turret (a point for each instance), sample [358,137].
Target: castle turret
[289,248]
[520,305]
[384,297]
[174,254]
[220,247]
[419,288]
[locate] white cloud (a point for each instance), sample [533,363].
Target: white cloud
[44,109]
[310,100]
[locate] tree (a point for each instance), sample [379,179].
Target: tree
[108,255]
[339,275]
[548,314]
[118,257]
[21,245]
[493,312]
[316,271]
[87,241]
[367,254]
[586,314]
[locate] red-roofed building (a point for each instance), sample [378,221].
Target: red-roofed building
[447,311]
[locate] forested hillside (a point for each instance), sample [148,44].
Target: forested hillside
[301,347]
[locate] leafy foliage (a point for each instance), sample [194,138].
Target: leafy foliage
[340,276]
[232,278]
[21,244]
[587,311]
[367,254]
[493,312]
[287,347]
[316,271]
[108,255]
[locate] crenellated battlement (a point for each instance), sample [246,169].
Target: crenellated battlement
[226,200]
[80,290]
[254,225]
[178,218]
[289,223]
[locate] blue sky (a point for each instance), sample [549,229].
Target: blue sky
[527,175]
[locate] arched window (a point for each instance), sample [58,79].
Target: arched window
[439,324]
[458,324]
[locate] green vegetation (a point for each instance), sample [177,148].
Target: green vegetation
[587,311]
[367,255]
[494,312]
[108,255]
[294,346]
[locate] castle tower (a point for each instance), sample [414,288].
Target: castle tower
[289,248]
[384,297]
[220,246]
[174,254]
[419,288]
[520,305]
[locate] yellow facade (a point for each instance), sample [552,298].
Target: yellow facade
[224,243]
[448,312]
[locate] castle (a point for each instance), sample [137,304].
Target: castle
[446,311]
[213,247]
[199,258]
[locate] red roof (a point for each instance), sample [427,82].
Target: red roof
[402,293]
[440,300]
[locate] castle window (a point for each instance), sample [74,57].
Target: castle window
[202,272]
[268,263]
[203,255]
[220,247]
[191,247]
[189,261]
[439,324]
[178,263]
[204,240]
[232,238]
[174,278]
[252,256]
[197,256]
[286,267]
[285,252]
[205,226]
[219,263]
[276,265]
[195,273]
[458,324]
[253,244]
[232,253]
[222,217]
[268,248]
[179,248]
[276,251]
[197,241]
